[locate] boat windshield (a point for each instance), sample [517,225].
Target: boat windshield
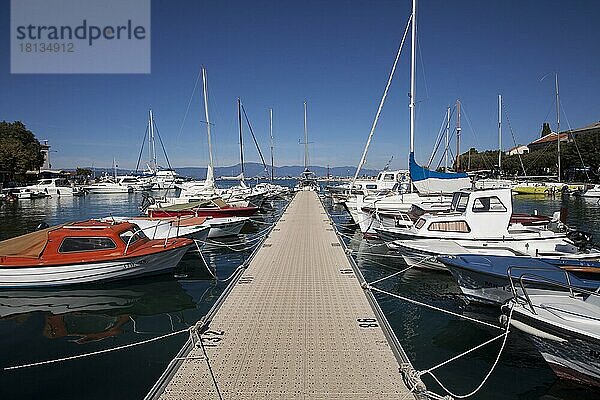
[488,204]
[131,236]
[76,244]
[459,202]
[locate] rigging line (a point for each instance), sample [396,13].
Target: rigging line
[448,149]
[383,97]
[439,138]
[574,141]
[474,135]
[422,70]
[254,138]
[162,144]
[512,134]
[187,109]
[142,149]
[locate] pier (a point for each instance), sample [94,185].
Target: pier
[295,324]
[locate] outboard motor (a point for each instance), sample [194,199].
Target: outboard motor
[147,201]
[582,240]
[42,225]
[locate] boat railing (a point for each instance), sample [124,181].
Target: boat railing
[534,278]
[155,228]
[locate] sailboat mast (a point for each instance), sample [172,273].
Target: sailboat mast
[239,104]
[152,147]
[412,75]
[210,171]
[305,139]
[557,124]
[447,139]
[271,134]
[115,169]
[500,133]
[458,129]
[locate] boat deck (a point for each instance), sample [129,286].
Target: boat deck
[296,325]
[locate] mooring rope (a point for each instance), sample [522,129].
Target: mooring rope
[416,302]
[464,396]
[94,353]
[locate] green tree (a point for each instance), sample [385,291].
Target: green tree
[546,129]
[83,172]
[20,151]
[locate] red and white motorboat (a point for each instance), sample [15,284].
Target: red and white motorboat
[215,208]
[83,252]
[198,228]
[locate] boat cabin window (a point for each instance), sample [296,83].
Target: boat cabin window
[388,177]
[45,182]
[450,226]
[379,176]
[371,187]
[459,202]
[419,224]
[133,235]
[488,204]
[75,244]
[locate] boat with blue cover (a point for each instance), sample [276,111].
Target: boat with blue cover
[486,278]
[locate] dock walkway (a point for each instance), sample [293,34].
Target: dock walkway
[296,325]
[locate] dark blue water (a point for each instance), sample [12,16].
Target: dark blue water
[45,324]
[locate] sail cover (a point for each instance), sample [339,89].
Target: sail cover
[434,182]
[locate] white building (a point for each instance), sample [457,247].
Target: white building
[520,149]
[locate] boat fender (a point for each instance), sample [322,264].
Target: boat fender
[535,332]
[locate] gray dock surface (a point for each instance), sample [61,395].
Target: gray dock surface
[296,325]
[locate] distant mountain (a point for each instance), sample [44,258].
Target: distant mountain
[252,170]
[255,169]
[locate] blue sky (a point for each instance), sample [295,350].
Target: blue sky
[337,56]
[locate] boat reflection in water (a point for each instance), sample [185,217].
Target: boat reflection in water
[94,312]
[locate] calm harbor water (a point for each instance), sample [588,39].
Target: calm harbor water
[45,324]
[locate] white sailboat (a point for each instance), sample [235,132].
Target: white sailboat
[308,180]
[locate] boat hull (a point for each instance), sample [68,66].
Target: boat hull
[205,212]
[46,276]
[570,355]
[224,227]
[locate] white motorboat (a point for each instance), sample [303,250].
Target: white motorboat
[593,192]
[482,222]
[564,326]
[54,187]
[164,228]
[109,186]
[137,183]
[223,227]
[385,181]
[392,210]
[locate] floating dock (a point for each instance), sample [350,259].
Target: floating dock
[296,324]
